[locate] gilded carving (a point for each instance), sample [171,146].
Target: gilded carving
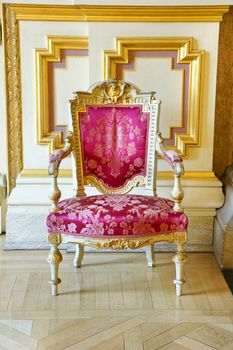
[54,238]
[138,180]
[124,13]
[115,91]
[13,95]
[180,237]
[123,243]
[118,244]
[54,257]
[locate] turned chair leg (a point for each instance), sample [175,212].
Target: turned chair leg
[179,260]
[78,255]
[54,259]
[150,255]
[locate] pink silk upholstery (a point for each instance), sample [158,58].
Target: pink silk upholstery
[172,157]
[57,156]
[114,143]
[116,215]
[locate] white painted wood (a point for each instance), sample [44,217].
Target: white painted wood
[150,255]
[179,260]
[79,253]
[54,258]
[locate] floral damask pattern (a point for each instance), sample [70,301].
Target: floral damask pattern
[57,156]
[172,157]
[116,215]
[114,143]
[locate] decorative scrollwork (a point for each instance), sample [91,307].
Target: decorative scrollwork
[54,238]
[13,95]
[124,243]
[138,180]
[180,237]
[114,91]
[118,243]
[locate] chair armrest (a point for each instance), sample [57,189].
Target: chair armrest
[176,162]
[54,161]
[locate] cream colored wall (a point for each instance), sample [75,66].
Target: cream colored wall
[101,36]
[150,74]
[34,35]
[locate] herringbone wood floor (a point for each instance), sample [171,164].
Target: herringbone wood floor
[113,302]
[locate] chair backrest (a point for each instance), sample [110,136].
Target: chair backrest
[114,128]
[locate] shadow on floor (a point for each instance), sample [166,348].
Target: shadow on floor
[228,275]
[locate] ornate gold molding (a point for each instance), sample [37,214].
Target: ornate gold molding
[161,175]
[99,13]
[138,180]
[13,95]
[55,238]
[124,242]
[185,54]
[43,57]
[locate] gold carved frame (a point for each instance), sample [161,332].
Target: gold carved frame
[116,92]
[12,15]
[185,54]
[43,57]
[119,243]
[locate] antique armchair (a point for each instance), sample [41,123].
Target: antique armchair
[115,142]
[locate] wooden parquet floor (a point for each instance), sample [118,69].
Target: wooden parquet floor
[114,302]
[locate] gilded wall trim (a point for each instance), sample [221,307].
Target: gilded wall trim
[223,133]
[161,175]
[185,54]
[13,95]
[43,57]
[99,13]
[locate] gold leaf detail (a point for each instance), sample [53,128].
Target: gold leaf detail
[13,95]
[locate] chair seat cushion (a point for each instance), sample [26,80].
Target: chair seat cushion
[116,215]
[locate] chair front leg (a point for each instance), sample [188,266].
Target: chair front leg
[54,259]
[150,255]
[78,255]
[179,260]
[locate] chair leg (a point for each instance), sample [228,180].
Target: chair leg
[179,260]
[54,259]
[150,255]
[78,255]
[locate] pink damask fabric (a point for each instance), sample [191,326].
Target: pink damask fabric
[116,215]
[114,143]
[56,156]
[172,157]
